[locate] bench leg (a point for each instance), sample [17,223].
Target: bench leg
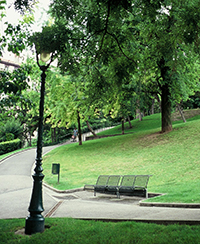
[95,193]
[146,193]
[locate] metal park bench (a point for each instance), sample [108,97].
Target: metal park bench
[134,185]
[131,185]
[105,184]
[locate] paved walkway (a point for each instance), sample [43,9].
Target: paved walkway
[16,189]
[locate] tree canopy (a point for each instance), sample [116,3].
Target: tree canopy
[143,38]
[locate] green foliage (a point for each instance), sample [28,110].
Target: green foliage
[192,102]
[16,37]
[11,127]
[2,4]
[23,5]
[9,146]
[10,136]
[52,39]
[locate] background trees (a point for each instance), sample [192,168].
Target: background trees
[150,35]
[115,58]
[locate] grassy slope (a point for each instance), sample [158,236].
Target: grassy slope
[172,158]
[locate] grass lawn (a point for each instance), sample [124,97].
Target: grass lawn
[172,158]
[66,230]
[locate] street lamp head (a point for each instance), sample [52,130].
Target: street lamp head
[45,56]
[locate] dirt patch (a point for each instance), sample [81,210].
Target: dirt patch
[103,136]
[22,231]
[187,114]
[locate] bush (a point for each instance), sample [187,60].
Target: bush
[9,146]
[11,126]
[10,136]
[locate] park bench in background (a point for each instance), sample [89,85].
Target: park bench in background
[104,184]
[131,185]
[134,185]
[111,185]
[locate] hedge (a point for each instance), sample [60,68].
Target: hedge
[9,146]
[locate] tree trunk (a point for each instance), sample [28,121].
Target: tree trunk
[30,140]
[181,112]
[79,130]
[130,122]
[90,128]
[152,106]
[139,114]
[122,125]
[53,134]
[166,109]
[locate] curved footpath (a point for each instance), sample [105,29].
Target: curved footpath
[16,189]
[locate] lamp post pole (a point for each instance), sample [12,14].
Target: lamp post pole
[35,220]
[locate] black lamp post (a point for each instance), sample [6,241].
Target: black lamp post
[35,220]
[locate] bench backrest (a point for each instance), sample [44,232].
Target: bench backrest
[141,181]
[102,180]
[113,180]
[128,180]
[137,181]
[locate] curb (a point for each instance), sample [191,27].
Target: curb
[155,221]
[169,205]
[62,191]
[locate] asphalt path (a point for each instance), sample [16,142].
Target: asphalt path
[16,184]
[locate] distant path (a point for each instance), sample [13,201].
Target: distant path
[16,184]
[96,131]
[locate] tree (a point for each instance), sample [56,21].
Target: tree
[69,103]
[150,34]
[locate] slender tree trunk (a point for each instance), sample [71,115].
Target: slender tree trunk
[166,109]
[30,140]
[139,114]
[90,128]
[122,125]
[158,100]
[152,107]
[51,135]
[79,130]
[54,134]
[181,112]
[138,111]
[130,122]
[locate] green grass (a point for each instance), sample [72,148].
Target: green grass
[172,158]
[66,230]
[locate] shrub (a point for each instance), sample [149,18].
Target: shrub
[10,136]
[9,146]
[11,126]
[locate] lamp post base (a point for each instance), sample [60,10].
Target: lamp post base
[34,224]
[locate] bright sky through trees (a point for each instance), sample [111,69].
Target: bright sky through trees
[12,16]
